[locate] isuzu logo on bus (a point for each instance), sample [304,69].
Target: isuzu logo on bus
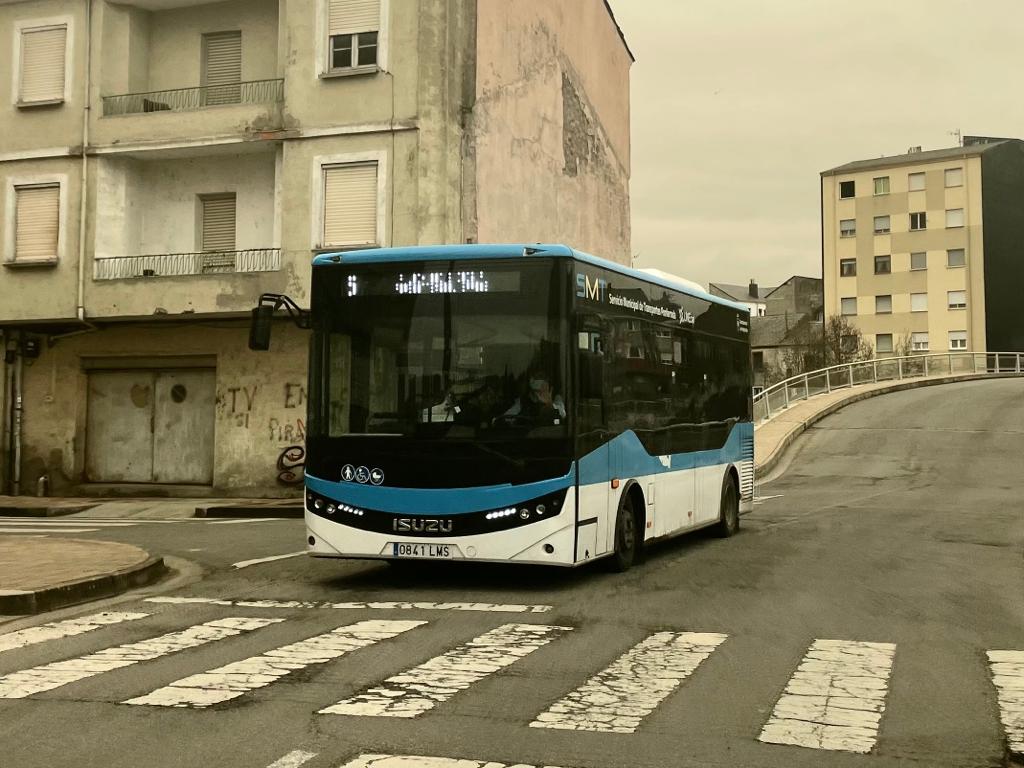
[421,525]
[586,288]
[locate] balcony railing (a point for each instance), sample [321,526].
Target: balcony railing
[184,99]
[178,264]
[778,397]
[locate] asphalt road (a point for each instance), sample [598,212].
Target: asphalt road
[899,521]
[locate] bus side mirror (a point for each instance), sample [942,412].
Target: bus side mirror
[259,330]
[591,376]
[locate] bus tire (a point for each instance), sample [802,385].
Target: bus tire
[627,537]
[729,510]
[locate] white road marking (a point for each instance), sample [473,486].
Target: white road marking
[1008,678]
[421,688]
[257,561]
[835,699]
[420,761]
[759,499]
[48,530]
[377,606]
[293,759]
[618,698]
[27,682]
[239,677]
[67,628]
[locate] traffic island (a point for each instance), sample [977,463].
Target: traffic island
[253,508]
[30,506]
[44,574]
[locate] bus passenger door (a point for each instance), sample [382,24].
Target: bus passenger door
[592,448]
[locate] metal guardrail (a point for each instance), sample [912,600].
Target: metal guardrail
[776,398]
[184,99]
[177,264]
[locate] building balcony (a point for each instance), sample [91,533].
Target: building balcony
[183,264]
[190,99]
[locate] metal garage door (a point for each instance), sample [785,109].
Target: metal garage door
[150,426]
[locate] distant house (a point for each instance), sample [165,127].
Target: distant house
[752,295]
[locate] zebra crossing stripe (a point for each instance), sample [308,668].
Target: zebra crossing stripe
[239,677]
[419,761]
[19,685]
[835,698]
[420,689]
[1008,678]
[618,698]
[57,629]
[376,606]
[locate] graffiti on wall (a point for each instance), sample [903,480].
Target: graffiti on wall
[291,465]
[235,404]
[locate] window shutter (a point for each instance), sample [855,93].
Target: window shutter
[222,67]
[348,17]
[350,205]
[218,222]
[37,219]
[42,64]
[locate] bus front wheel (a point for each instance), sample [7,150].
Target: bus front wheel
[729,513]
[627,541]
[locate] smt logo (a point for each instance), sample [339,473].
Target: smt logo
[595,289]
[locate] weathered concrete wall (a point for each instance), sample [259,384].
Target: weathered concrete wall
[551,126]
[260,411]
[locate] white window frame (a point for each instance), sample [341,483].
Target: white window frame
[892,342]
[317,219]
[962,218]
[322,44]
[875,185]
[918,345]
[885,230]
[839,188]
[945,177]
[956,266]
[918,269]
[852,233]
[10,212]
[27,25]
[952,347]
[910,184]
[843,262]
[877,303]
[923,221]
[925,302]
[949,299]
[848,314]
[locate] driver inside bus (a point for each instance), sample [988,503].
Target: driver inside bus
[540,404]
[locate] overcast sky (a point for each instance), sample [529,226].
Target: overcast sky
[737,105]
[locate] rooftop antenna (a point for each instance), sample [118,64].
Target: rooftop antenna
[959,138]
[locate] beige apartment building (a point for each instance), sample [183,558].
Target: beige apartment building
[164,162]
[923,251]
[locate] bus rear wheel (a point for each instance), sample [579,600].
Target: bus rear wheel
[627,541]
[729,513]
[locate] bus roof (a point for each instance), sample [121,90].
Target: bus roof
[512,251]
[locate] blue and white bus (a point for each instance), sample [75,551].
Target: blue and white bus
[524,404]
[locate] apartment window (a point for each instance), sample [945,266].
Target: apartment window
[36,222]
[919,260]
[353,27]
[883,305]
[919,302]
[918,221]
[955,217]
[919,342]
[883,265]
[847,267]
[915,181]
[954,177]
[957,299]
[956,257]
[217,232]
[957,340]
[848,306]
[883,342]
[881,225]
[42,63]
[350,205]
[758,360]
[848,228]
[846,190]
[882,185]
[222,68]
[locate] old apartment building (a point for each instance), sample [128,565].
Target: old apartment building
[163,162]
[925,251]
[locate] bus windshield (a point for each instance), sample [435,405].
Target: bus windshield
[460,367]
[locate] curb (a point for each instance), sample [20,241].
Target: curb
[71,593]
[800,427]
[296,510]
[66,509]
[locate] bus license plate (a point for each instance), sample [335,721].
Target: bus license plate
[428,551]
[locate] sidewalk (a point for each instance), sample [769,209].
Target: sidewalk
[159,508]
[773,437]
[47,573]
